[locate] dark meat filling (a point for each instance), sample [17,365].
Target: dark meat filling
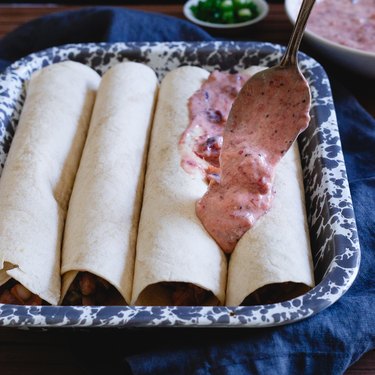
[187,294]
[91,290]
[14,293]
[275,293]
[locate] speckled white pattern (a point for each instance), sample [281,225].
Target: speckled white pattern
[333,230]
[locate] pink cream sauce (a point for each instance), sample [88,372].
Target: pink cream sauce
[348,22]
[240,169]
[208,113]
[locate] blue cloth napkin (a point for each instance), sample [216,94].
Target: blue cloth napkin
[327,343]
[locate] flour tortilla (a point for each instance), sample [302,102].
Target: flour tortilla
[39,172]
[172,244]
[277,249]
[103,213]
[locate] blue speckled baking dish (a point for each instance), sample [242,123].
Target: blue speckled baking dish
[334,240]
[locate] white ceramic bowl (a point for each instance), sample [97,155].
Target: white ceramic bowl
[261,4]
[355,60]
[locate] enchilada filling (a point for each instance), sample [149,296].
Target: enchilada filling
[187,294]
[275,293]
[90,290]
[14,293]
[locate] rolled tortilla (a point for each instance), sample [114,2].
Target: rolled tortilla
[172,246]
[103,213]
[39,172]
[274,255]
[277,249]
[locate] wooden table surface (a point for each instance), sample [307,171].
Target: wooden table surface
[57,351]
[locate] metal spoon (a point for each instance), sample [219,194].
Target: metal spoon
[271,110]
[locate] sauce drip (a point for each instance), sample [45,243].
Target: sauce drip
[209,107]
[253,141]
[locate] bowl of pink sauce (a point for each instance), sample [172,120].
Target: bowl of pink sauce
[343,31]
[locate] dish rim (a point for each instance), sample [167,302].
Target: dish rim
[226,315]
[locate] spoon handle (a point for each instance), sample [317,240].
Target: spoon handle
[290,55]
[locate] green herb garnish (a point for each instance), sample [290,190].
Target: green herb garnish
[225,11]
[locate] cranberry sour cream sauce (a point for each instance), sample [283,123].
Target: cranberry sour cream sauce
[253,142]
[209,107]
[349,22]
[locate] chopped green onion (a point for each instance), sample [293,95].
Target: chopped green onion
[225,11]
[242,4]
[245,14]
